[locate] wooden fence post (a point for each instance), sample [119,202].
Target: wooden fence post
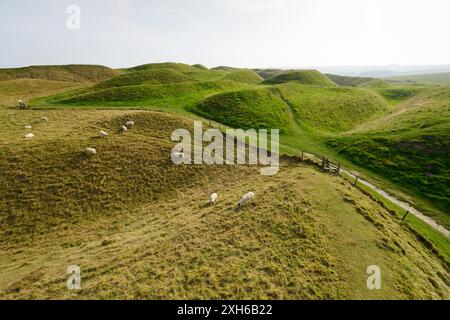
[404,217]
[302,155]
[338,169]
[356,181]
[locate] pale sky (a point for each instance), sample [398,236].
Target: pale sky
[241,33]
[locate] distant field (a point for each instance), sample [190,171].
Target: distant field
[435,78]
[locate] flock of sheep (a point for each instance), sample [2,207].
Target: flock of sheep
[246,198]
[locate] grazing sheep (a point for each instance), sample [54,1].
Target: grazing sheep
[214,198]
[124,129]
[27,126]
[91,151]
[246,198]
[45,119]
[103,134]
[129,124]
[29,136]
[21,104]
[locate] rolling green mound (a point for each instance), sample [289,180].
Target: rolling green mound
[140,227]
[306,77]
[331,109]
[346,81]
[410,147]
[193,72]
[254,108]
[66,73]
[149,77]
[145,94]
[400,93]
[269,73]
[201,67]
[244,76]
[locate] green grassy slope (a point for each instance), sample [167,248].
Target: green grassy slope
[25,89]
[67,73]
[346,81]
[245,76]
[254,108]
[306,77]
[194,72]
[155,76]
[435,78]
[399,93]
[331,109]
[140,227]
[269,73]
[139,95]
[410,146]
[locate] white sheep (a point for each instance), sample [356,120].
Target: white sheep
[124,129]
[91,151]
[29,136]
[129,124]
[103,134]
[22,104]
[45,119]
[27,126]
[213,198]
[246,198]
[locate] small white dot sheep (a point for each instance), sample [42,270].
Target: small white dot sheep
[103,134]
[129,124]
[45,119]
[29,136]
[27,126]
[246,198]
[91,151]
[214,198]
[124,129]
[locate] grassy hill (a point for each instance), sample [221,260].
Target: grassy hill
[330,109]
[193,72]
[173,94]
[66,73]
[25,89]
[409,146]
[435,78]
[140,227]
[269,73]
[253,108]
[346,81]
[306,77]
[244,76]
[150,77]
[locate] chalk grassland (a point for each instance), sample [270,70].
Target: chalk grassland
[307,107]
[25,89]
[36,81]
[434,79]
[140,227]
[409,146]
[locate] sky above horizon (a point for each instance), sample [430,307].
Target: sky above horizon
[240,33]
